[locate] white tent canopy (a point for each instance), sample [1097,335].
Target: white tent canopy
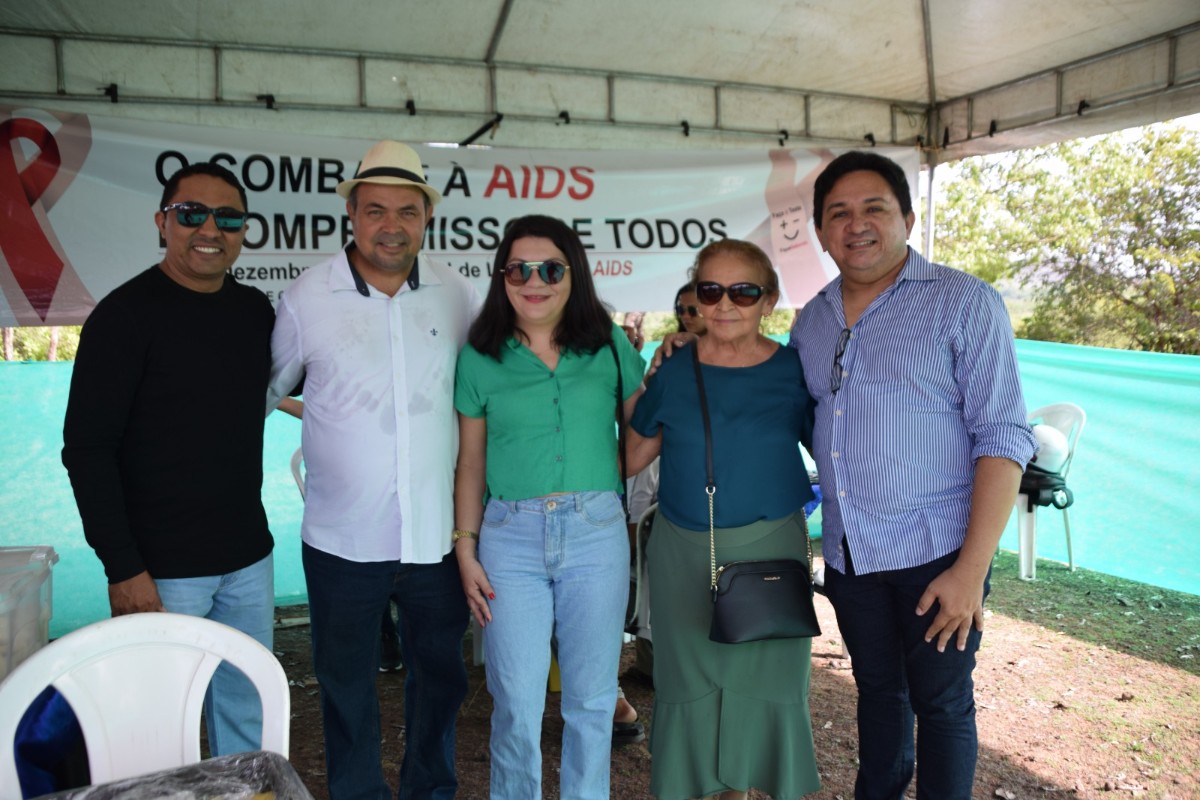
[958,77]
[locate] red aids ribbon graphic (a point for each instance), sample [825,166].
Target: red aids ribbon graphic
[33,261]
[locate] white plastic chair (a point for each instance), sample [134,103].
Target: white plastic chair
[136,684]
[1069,419]
[297,472]
[641,591]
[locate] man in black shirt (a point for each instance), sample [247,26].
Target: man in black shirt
[163,438]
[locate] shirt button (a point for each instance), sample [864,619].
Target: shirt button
[556,401]
[837,413]
[836,454]
[558,430]
[841,493]
[558,458]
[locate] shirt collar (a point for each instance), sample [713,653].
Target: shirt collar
[360,285]
[517,346]
[916,268]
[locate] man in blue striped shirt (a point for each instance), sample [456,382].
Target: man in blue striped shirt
[920,440]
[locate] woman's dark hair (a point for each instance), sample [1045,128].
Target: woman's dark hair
[687,287]
[585,326]
[860,161]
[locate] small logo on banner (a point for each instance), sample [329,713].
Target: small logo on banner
[28,188]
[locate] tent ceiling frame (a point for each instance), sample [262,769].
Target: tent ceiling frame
[1059,74]
[941,131]
[930,75]
[491,66]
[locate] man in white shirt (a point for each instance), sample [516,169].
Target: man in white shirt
[373,334]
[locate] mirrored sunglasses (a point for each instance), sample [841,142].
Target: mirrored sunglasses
[742,294]
[551,272]
[193,215]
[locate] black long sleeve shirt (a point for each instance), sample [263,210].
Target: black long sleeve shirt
[163,438]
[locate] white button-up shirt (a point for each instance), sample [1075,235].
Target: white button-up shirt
[379,433]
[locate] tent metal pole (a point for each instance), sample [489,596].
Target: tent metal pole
[930,211]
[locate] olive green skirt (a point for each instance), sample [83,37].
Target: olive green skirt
[726,716]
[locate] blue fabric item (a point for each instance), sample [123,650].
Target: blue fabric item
[814,504]
[48,741]
[929,384]
[759,415]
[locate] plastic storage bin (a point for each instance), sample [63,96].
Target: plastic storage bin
[25,602]
[252,776]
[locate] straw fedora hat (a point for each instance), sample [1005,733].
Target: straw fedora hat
[392,164]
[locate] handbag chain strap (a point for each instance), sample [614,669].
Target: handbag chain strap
[808,545]
[710,488]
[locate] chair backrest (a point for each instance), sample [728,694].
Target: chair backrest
[297,472]
[639,614]
[136,684]
[1068,419]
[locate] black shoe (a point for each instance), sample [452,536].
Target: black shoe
[389,643]
[628,733]
[389,655]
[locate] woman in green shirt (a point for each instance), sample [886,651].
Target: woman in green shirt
[536,390]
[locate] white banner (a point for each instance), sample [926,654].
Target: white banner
[78,195]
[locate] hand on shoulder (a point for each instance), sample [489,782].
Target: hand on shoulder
[668,347]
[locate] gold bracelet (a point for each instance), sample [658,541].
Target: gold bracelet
[459,533]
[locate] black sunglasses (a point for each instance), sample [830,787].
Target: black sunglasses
[835,379]
[687,311]
[193,215]
[551,272]
[742,294]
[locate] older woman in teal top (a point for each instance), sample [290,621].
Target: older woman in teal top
[727,717]
[537,395]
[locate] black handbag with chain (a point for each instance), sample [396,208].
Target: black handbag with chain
[754,600]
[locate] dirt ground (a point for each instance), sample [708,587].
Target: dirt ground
[1087,687]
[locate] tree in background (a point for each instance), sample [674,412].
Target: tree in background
[41,344]
[1104,233]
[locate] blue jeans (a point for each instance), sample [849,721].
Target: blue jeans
[559,566]
[901,676]
[346,602]
[243,599]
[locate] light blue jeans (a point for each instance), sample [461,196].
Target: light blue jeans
[559,566]
[243,599]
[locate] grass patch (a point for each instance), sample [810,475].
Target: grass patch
[1125,616]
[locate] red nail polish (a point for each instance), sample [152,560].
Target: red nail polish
[491,595]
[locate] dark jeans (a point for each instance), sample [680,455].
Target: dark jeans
[346,600]
[899,676]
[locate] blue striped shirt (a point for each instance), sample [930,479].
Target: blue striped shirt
[929,384]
